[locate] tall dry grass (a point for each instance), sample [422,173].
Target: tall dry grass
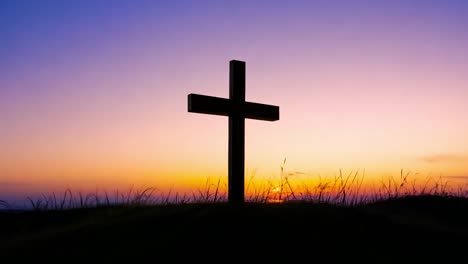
[347,189]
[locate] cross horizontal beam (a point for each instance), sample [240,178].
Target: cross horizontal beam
[204,104]
[225,107]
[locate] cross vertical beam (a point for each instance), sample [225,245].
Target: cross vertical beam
[236,154]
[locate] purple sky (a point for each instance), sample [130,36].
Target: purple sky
[93,93]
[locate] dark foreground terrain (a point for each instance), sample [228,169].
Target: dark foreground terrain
[422,229]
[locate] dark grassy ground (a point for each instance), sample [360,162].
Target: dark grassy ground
[422,229]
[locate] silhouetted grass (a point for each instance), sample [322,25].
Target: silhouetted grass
[287,219]
[341,189]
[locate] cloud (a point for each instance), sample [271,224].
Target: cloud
[445,158]
[11,183]
[459,177]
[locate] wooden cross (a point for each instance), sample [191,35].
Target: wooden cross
[237,109]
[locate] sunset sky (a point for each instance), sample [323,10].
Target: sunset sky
[93,94]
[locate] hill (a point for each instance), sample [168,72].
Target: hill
[419,228]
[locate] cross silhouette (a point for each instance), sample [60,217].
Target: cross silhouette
[237,109]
